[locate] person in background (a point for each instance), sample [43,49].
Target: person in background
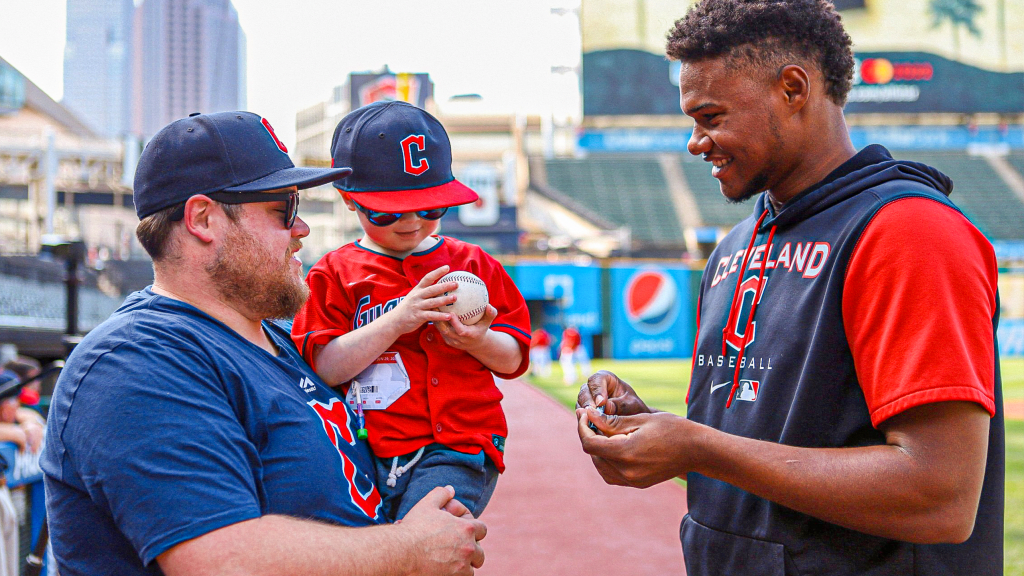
[20,420]
[573,354]
[540,353]
[9,540]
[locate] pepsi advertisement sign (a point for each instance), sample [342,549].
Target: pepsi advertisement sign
[649,318]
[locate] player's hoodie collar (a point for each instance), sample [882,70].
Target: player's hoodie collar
[879,167]
[819,198]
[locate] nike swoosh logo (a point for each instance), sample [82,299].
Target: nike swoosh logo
[717,386]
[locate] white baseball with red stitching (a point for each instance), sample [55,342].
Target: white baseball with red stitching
[472,296]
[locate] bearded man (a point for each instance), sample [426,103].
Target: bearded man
[187,436]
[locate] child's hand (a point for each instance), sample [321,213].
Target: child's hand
[421,304]
[463,337]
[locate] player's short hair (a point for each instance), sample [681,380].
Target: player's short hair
[768,34]
[154,231]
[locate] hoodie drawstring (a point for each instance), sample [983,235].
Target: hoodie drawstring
[397,471]
[733,308]
[737,302]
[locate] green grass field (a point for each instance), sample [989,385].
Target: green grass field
[662,384]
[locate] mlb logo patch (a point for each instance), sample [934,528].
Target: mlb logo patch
[748,390]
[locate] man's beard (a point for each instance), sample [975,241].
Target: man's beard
[754,187]
[246,272]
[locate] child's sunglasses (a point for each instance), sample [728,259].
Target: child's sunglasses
[291,209]
[389,218]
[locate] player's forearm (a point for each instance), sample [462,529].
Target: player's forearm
[499,352]
[346,356]
[895,491]
[275,545]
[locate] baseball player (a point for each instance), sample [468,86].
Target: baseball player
[540,353]
[844,412]
[571,353]
[424,379]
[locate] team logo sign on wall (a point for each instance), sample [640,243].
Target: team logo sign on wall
[651,300]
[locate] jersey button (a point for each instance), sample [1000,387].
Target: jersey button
[438,428]
[430,337]
[433,381]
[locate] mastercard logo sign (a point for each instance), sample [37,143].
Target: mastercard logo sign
[883,71]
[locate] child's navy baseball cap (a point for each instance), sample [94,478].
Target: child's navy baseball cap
[224,151]
[401,159]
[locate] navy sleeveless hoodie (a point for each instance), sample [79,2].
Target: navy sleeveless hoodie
[788,377]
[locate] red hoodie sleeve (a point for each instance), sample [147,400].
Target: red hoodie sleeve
[918,306]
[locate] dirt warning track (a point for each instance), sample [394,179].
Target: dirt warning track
[552,515]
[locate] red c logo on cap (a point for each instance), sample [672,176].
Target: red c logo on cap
[421,164]
[270,129]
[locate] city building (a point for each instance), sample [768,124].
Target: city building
[190,56]
[98,64]
[57,176]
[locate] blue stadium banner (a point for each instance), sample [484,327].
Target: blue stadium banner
[1009,250]
[915,82]
[893,137]
[571,295]
[637,82]
[1011,337]
[22,467]
[624,81]
[650,312]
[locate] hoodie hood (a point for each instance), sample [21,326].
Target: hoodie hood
[822,197]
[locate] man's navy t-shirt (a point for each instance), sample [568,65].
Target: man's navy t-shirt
[166,425]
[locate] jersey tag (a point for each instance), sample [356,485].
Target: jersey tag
[499,442]
[381,383]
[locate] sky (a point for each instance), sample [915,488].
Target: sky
[298,50]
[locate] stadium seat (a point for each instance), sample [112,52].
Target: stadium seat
[627,190]
[978,190]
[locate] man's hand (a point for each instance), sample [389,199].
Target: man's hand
[421,303]
[617,397]
[445,534]
[640,450]
[467,337]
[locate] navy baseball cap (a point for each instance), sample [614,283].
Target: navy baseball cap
[401,159]
[224,151]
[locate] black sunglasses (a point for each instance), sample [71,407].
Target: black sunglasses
[291,209]
[389,218]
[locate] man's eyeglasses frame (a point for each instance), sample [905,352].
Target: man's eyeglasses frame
[291,210]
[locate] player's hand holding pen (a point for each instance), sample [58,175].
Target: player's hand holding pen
[630,444]
[607,390]
[421,303]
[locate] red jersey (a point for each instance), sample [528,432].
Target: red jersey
[452,399]
[540,339]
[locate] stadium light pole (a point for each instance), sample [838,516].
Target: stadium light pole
[72,252]
[567,64]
